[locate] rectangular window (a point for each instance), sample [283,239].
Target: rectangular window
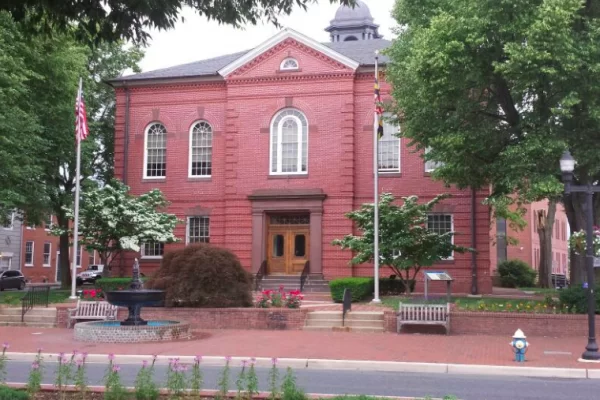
[440,223]
[10,221]
[564,230]
[78,260]
[29,247]
[153,250]
[47,252]
[198,230]
[388,149]
[48,222]
[91,257]
[431,165]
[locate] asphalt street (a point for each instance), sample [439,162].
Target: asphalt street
[468,387]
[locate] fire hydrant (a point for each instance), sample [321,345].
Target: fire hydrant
[519,345]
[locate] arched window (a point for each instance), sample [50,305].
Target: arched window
[289,143]
[289,64]
[200,149]
[350,39]
[389,147]
[155,155]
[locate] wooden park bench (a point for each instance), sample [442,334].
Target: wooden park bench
[92,310]
[424,314]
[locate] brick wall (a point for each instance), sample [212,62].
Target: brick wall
[215,318]
[338,105]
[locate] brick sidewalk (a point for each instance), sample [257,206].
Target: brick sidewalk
[482,350]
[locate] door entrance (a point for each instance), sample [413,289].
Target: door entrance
[288,244]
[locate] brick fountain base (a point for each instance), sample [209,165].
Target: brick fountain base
[113,332]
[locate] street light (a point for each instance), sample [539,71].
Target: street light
[567,165]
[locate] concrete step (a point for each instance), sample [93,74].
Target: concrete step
[327,315]
[323,322]
[42,311]
[30,324]
[367,329]
[362,323]
[29,318]
[344,329]
[364,316]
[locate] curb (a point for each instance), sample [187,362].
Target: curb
[349,365]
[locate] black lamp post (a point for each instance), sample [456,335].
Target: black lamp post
[567,165]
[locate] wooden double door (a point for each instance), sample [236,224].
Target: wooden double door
[287,249]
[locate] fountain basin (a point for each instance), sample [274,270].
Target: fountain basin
[114,332]
[134,300]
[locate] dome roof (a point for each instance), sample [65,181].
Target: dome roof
[360,12]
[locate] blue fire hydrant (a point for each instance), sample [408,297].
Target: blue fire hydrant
[519,345]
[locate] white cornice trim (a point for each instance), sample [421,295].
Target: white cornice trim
[280,37]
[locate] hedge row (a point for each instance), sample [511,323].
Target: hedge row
[109,284]
[362,288]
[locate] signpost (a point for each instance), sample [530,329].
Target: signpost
[438,276]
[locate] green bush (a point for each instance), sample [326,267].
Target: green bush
[202,275]
[576,299]
[361,288]
[7,393]
[516,273]
[392,287]
[109,284]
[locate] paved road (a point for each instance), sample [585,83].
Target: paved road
[468,387]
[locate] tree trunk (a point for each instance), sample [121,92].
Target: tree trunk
[575,209]
[65,266]
[545,223]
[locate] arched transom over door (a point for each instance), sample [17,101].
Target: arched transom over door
[288,243]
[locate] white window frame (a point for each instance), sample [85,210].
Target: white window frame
[451,229]
[93,257]
[431,165]
[387,126]
[12,222]
[190,149]
[32,254]
[143,252]
[146,131]
[79,256]
[46,226]
[49,263]
[9,258]
[282,66]
[31,227]
[187,229]
[279,169]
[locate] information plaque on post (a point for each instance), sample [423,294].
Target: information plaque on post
[438,276]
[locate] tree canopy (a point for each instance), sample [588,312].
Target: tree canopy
[123,19]
[405,243]
[497,90]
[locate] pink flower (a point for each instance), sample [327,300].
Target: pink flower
[181,368]
[252,361]
[244,363]
[5,346]
[111,357]
[198,359]
[84,356]
[79,363]
[61,355]
[75,352]
[144,364]
[274,361]
[40,350]
[116,368]
[154,357]
[35,365]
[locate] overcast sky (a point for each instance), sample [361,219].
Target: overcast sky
[198,39]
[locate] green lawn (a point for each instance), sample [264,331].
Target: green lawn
[13,297]
[472,304]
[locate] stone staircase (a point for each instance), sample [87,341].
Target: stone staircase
[314,283]
[36,317]
[356,321]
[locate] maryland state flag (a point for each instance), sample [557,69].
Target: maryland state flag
[378,109]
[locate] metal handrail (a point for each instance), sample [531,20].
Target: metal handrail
[304,275]
[262,271]
[346,304]
[35,296]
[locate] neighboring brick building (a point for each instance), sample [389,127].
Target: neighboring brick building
[40,254]
[264,151]
[528,247]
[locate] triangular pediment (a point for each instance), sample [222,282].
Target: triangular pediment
[289,37]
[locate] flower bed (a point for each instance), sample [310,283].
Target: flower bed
[279,298]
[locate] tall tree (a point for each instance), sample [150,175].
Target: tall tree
[124,19]
[499,89]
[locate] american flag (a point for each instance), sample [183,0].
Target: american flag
[81,126]
[378,109]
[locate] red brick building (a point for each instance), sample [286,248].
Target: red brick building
[40,253]
[264,151]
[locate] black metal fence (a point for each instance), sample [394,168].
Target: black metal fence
[35,296]
[304,275]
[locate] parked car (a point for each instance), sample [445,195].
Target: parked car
[12,280]
[90,275]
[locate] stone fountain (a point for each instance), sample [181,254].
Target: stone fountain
[134,329]
[135,298]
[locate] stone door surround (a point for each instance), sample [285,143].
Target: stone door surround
[265,201]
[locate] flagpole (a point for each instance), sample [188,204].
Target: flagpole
[76,219]
[376,298]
